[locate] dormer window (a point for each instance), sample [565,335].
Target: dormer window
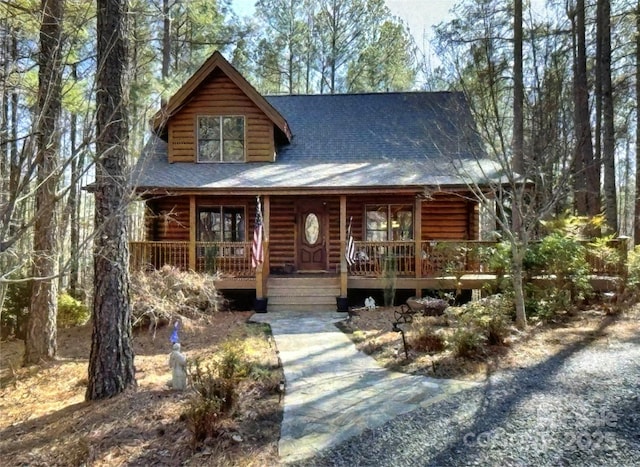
[220,139]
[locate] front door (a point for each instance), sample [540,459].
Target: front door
[312,231]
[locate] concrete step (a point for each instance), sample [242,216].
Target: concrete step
[324,291]
[303,308]
[303,281]
[303,293]
[309,300]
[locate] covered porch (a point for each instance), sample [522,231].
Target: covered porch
[417,265]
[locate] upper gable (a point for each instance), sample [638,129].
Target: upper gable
[218,90]
[219,96]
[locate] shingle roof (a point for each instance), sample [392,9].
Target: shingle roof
[348,140]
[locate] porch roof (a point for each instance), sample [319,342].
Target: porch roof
[350,140]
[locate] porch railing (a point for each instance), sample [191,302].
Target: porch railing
[378,258]
[372,259]
[228,258]
[456,257]
[154,255]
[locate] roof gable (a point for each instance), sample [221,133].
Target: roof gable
[191,87]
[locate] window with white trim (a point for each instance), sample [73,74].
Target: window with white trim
[221,138]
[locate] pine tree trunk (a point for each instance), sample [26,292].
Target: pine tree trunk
[111,368]
[518,91]
[587,172]
[518,102]
[636,229]
[40,342]
[74,201]
[166,45]
[608,129]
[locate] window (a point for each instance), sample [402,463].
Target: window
[221,224]
[389,222]
[220,139]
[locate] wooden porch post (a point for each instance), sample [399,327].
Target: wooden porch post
[192,232]
[343,245]
[417,236]
[264,268]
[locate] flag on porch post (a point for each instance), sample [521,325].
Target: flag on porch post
[256,246]
[350,252]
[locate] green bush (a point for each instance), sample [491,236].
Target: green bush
[215,382]
[466,342]
[565,261]
[605,254]
[633,269]
[491,317]
[16,309]
[71,312]
[478,323]
[497,259]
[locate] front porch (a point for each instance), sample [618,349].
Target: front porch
[412,265]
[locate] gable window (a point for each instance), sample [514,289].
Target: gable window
[220,139]
[389,222]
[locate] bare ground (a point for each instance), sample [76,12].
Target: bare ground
[45,420]
[373,334]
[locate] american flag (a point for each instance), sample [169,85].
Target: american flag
[256,247]
[350,252]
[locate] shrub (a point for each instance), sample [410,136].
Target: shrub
[423,338]
[16,309]
[491,317]
[497,259]
[215,382]
[633,269]
[607,256]
[157,295]
[71,312]
[564,259]
[467,342]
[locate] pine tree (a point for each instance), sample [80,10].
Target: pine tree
[111,368]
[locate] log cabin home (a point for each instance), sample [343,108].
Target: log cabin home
[388,171]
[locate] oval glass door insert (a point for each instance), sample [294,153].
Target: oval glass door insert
[311,229]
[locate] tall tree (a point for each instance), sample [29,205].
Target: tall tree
[518,90]
[636,223]
[603,18]
[40,342]
[286,29]
[587,171]
[518,157]
[387,63]
[475,47]
[111,368]
[341,27]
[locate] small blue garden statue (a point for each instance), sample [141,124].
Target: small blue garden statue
[174,334]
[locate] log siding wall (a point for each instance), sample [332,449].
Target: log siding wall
[220,96]
[444,217]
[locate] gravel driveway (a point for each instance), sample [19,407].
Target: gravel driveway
[579,407]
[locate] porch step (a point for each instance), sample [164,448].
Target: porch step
[303,293]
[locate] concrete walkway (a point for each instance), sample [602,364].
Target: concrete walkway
[334,392]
